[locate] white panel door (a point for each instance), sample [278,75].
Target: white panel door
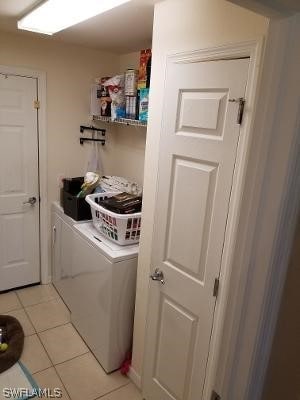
[198,149]
[19,221]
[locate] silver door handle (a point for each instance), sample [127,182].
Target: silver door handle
[31,201]
[158,276]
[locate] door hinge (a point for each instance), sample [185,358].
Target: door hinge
[216,287]
[36,104]
[241,102]
[53,235]
[215,396]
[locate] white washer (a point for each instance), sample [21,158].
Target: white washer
[98,286]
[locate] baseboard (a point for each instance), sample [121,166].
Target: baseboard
[135,377]
[46,280]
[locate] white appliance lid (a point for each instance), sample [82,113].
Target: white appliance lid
[110,249]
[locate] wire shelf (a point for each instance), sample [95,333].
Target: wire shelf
[123,121]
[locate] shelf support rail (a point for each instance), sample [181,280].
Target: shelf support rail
[92,139]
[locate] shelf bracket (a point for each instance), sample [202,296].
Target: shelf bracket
[92,128]
[92,139]
[85,139]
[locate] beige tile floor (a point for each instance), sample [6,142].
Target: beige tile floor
[54,352]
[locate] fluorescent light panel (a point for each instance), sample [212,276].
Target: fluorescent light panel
[55,15]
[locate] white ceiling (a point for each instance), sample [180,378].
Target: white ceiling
[121,30]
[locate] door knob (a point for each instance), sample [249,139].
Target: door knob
[158,276]
[31,201]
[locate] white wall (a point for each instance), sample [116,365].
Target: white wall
[69,72]
[282,380]
[179,26]
[127,154]
[129,149]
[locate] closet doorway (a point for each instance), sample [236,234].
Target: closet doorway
[19,182]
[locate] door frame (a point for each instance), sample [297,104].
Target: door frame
[40,76]
[238,363]
[254,50]
[269,215]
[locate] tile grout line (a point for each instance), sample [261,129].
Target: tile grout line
[73,358]
[63,385]
[57,296]
[42,302]
[49,354]
[53,366]
[112,391]
[29,305]
[42,370]
[33,334]
[61,382]
[60,378]
[23,309]
[44,330]
[54,327]
[88,352]
[28,316]
[37,333]
[18,297]
[13,309]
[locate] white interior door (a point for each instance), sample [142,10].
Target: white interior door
[19,184]
[197,156]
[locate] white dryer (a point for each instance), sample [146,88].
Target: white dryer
[98,284]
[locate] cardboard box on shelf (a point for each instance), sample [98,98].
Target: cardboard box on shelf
[131,77]
[144,69]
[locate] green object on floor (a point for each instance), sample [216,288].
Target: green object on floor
[13,340]
[3,347]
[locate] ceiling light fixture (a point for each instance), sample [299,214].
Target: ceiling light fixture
[55,15]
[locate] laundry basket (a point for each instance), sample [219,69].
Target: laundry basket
[120,228]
